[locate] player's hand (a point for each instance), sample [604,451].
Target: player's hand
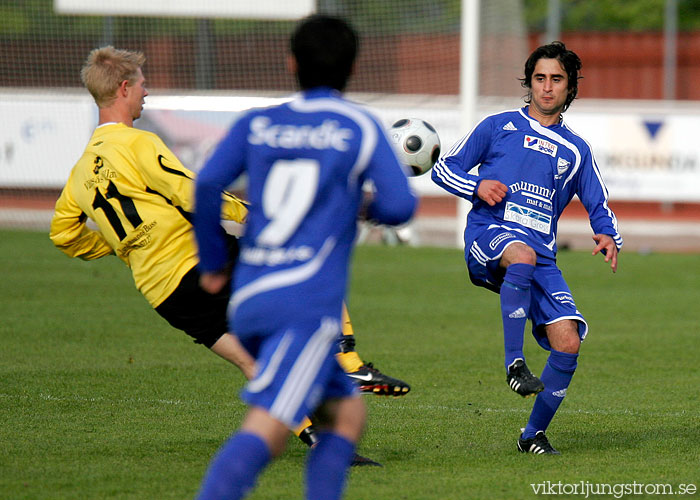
[214,282]
[492,191]
[606,245]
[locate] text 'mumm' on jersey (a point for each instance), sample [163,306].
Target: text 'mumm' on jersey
[306,162]
[141,199]
[543,167]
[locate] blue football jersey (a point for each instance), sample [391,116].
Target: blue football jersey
[543,167]
[306,162]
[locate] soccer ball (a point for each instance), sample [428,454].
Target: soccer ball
[417,144]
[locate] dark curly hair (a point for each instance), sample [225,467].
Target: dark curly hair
[568,59]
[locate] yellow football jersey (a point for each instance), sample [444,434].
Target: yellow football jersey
[141,198]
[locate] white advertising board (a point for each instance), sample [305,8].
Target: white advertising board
[41,138]
[231,9]
[644,156]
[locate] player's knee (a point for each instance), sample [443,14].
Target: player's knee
[570,346]
[570,343]
[563,336]
[527,256]
[518,253]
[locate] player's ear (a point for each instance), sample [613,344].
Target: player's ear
[123,88]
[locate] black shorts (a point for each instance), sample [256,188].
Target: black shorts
[199,314]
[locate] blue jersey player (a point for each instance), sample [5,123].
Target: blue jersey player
[520,169]
[306,162]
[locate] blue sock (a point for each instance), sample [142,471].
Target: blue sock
[327,465]
[556,377]
[515,305]
[235,468]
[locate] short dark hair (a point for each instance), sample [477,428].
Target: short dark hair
[324,48]
[568,59]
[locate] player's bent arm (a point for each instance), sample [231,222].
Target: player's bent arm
[71,235]
[491,191]
[392,201]
[453,180]
[451,172]
[594,197]
[233,209]
[394,212]
[229,348]
[222,168]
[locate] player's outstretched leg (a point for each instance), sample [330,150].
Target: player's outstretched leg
[369,379]
[372,381]
[521,379]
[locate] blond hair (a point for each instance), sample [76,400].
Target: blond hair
[106,68]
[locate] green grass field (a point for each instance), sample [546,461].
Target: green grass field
[100,398]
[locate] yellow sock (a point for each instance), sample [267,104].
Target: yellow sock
[306,433]
[349,360]
[304,425]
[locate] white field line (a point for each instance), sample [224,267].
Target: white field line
[100,399]
[636,413]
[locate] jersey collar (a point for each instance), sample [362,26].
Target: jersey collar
[526,111]
[320,92]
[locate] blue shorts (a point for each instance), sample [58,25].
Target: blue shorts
[296,370]
[551,298]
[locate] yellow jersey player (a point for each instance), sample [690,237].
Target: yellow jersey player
[140,198]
